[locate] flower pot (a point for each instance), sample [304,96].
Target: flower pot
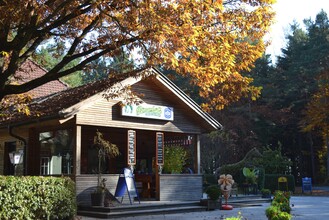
[213,204]
[97,198]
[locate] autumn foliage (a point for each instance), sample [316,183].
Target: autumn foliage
[211,42]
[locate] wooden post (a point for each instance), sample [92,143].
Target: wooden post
[77,170]
[198,154]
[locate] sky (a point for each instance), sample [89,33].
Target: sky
[286,12]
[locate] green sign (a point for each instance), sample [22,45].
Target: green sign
[149,111]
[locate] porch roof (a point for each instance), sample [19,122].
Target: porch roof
[67,103]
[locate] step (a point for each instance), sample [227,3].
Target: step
[156,207]
[141,206]
[142,209]
[131,213]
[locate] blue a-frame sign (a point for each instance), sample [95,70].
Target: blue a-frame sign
[126,183]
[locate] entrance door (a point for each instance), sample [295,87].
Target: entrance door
[8,167]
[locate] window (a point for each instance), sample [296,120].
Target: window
[56,151]
[44,165]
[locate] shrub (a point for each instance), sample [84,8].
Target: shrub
[37,198]
[280,207]
[282,200]
[271,182]
[213,192]
[175,161]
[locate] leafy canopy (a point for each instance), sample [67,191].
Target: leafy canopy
[211,42]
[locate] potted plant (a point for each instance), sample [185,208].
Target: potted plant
[226,182]
[266,193]
[105,150]
[213,200]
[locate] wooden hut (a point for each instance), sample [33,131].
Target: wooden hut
[57,138]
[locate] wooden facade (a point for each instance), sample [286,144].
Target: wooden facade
[74,127]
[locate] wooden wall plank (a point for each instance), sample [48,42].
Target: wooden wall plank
[180,187]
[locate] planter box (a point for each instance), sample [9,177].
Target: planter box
[213,204]
[97,199]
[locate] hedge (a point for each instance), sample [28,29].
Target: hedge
[271,182]
[32,197]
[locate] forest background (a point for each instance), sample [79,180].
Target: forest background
[290,116]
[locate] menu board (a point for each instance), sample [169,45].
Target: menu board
[159,148]
[131,147]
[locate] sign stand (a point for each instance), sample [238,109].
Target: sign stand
[126,183]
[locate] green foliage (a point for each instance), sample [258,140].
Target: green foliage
[239,217]
[37,198]
[49,56]
[290,87]
[105,150]
[273,161]
[250,174]
[234,170]
[265,191]
[209,179]
[271,182]
[213,192]
[274,213]
[104,66]
[261,178]
[280,207]
[174,159]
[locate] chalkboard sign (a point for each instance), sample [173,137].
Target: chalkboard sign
[159,148]
[126,183]
[131,147]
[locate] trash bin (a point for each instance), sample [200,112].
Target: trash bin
[283,183]
[306,184]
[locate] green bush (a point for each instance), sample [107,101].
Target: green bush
[282,200]
[175,159]
[280,207]
[213,192]
[32,197]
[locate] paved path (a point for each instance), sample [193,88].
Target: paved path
[303,208]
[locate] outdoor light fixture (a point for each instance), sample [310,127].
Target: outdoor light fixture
[16,158]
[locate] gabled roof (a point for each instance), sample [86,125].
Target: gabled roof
[31,70]
[67,103]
